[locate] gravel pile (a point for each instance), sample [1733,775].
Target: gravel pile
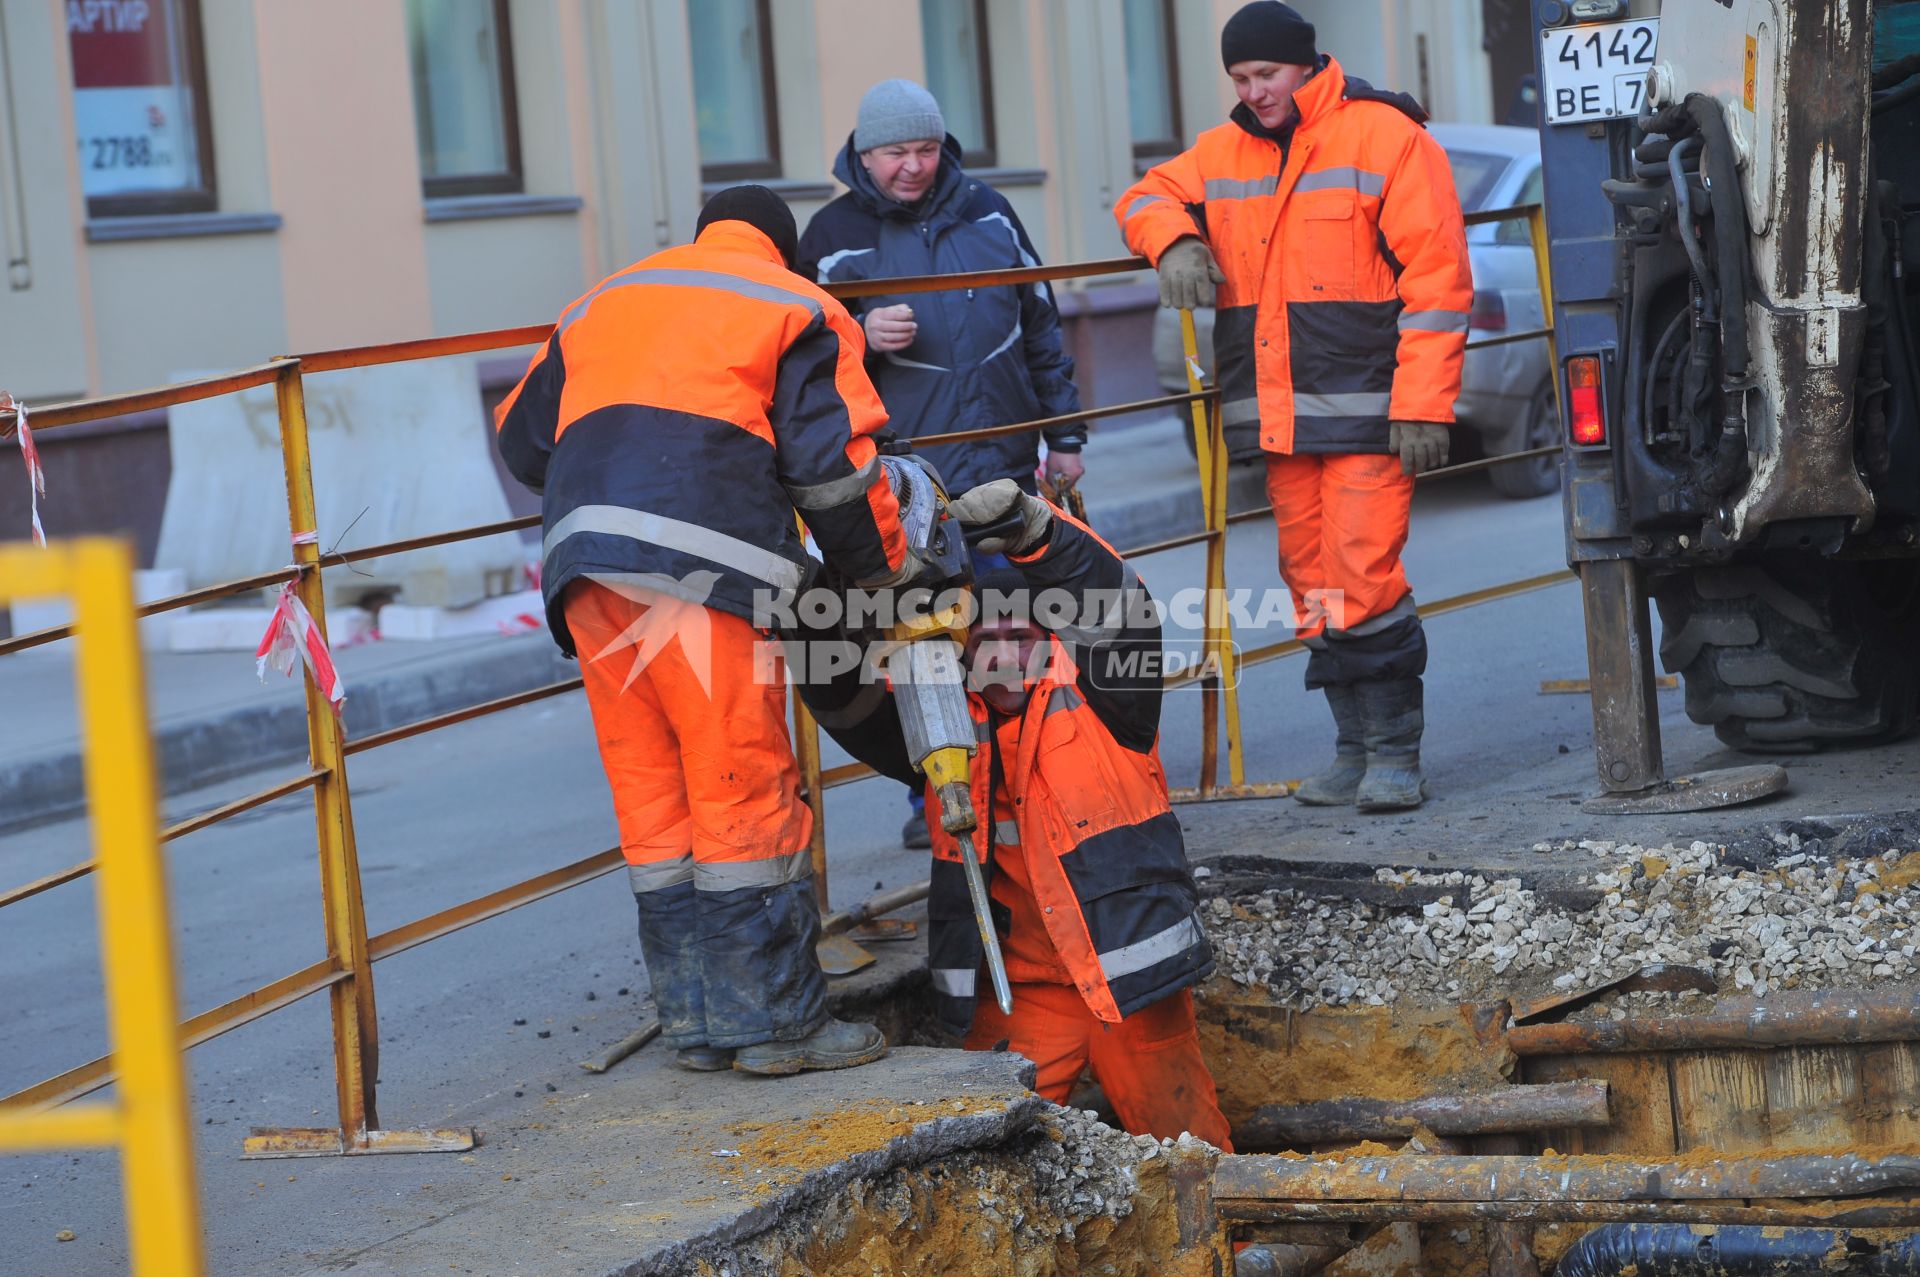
[1084,1168]
[1803,918]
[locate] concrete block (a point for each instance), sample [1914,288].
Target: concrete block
[521,613]
[398,451]
[240,629]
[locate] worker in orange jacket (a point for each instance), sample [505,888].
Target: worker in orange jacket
[1322,218]
[1087,871]
[681,412]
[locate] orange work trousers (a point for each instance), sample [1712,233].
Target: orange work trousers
[691,714]
[1149,1064]
[1342,522]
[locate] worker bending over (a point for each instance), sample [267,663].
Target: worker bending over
[1087,870]
[680,413]
[1326,216]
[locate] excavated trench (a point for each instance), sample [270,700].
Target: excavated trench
[1436,1012]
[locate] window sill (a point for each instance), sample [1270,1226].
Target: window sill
[998,177]
[473,208]
[787,188]
[107,230]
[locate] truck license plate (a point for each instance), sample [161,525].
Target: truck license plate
[1596,71]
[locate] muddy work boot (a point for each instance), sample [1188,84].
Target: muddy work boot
[1393,716]
[834,1045]
[1337,786]
[704,1059]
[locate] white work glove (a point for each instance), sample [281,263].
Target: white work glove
[992,502]
[1422,445]
[1188,275]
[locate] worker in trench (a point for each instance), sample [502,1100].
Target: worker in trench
[679,415]
[1092,897]
[1322,221]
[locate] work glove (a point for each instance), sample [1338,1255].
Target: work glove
[1188,275]
[990,503]
[1422,445]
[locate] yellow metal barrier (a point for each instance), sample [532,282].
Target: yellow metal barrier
[346,972]
[148,1120]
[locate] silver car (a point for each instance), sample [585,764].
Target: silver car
[1506,392]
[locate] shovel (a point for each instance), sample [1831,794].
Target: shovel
[838,954]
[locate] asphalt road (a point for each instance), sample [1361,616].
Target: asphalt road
[455,814]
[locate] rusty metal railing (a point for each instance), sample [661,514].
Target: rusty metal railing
[345,973]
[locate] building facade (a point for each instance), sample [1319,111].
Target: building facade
[189,185]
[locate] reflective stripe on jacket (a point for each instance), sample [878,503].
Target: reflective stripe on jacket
[680,413]
[1347,282]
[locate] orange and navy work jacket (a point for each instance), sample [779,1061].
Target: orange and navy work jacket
[678,416]
[1104,857]
[1347,282]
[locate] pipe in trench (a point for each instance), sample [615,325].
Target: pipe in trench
[1686,1250]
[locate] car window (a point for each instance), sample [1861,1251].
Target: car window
[1530,192]
[1474,173]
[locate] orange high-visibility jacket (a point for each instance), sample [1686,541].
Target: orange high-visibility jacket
[1104,852]
[1347,284]
[1106,857]
[680,413]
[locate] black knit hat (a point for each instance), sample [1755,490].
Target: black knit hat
[759,208]
[1267,31]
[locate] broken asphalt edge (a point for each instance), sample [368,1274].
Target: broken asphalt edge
[926,1142]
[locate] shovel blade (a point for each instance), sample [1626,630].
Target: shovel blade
[841,956]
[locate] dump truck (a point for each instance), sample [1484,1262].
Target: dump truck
[1732,198]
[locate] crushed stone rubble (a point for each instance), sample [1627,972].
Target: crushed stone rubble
[1084,1168]
[1797,919]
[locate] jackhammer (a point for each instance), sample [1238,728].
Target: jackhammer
[923,663]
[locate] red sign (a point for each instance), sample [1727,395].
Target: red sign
[119,43]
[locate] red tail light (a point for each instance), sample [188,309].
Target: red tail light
[1489,312]
[1586,418]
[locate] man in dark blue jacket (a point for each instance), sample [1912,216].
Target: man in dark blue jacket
[955,360]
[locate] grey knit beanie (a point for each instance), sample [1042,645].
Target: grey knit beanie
[897,111]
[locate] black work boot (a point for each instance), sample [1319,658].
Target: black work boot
[1337,786]
[834,1045]
[1393,717]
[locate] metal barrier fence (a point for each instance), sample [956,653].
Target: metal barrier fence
[147,1124]
[345,973]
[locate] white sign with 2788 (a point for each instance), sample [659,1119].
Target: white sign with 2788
[1596,71]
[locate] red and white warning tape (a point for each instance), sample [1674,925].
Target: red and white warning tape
[291,635]
[36,477]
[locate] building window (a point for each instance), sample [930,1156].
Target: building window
[960,73]
[1153,79]
[734,102]
[463,104]
[140,108]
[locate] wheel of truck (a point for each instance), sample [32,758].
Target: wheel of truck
[1795,652]
[1536,476]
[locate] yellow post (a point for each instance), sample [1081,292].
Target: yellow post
[1203,454]
[356,1031]
[1543,271]
[149,1116]
[1219,624]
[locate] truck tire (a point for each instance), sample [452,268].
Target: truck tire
[1536,476]
[1793,653]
